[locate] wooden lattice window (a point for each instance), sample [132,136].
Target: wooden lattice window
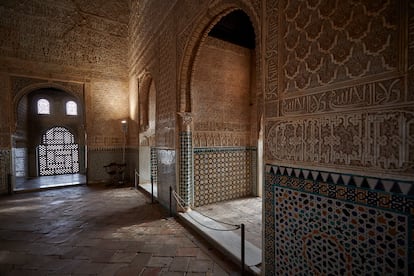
[58,153]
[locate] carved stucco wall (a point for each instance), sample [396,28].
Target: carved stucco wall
[339,136]
[337,93]
[152,52]
[89,36]
[69,43]
[164,37]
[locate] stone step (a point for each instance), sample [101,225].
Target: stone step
[228,242]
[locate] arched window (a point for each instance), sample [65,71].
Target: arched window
[43,106]
[71,108]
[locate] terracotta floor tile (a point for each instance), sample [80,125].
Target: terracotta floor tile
[188,251]
[197,265]
[123,257]
[160,261]
[100,231]
[180,264]
[152,271]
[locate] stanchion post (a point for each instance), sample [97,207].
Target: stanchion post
[152,190]
[242,248]
[170,201]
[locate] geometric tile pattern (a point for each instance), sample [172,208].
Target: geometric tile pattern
[222,174]
[348,186]
[253,167]
[326,236]
[20,161]
[186,161]
[154,164]
[332,223]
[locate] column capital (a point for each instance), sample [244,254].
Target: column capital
[185,121]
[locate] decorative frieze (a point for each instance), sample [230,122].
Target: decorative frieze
[411,51]
[374,141]
[271,54]
[18,84]
[76,88]
[411,36]
[220,139]
[362,95]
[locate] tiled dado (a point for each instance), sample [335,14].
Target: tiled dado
[186,173]
[330,223]
[154,165]
[4,169]
[223,173]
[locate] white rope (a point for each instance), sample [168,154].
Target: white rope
[178,199]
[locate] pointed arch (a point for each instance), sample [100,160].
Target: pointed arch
[144,91]
[196,39]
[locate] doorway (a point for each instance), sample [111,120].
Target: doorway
[147,156]
[49,141]
[224,109]
[223,99]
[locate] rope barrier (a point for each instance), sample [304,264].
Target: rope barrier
[180,201]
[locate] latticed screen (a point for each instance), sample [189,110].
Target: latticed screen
[58,153]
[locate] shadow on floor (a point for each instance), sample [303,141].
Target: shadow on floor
[203,220]
[24,184]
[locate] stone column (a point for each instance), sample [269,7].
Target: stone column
[186,183]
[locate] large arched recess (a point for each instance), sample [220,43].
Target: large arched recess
[18,132]
[196,38]
[190,56]
[147,129]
